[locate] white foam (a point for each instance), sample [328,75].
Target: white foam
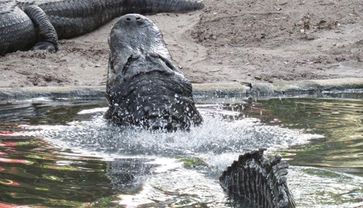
[92,111]
[214,136]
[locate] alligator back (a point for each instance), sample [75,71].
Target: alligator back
[16,29]
[255,181]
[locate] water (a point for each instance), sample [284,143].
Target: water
[63,153]
[326,163]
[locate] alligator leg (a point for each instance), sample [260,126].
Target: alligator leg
[47,35]
[258,182]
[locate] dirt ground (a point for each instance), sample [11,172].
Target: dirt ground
[232,40]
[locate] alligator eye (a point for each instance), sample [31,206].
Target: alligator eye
[128,19]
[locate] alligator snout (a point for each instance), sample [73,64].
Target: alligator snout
[133,19]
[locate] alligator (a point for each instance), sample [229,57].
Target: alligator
[144,87]
[38,24]
[256,181]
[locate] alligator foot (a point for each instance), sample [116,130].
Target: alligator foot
[46,46]
[256,181]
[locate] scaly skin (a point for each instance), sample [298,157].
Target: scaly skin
[144,88]
[255,181]
[70,18]
[73,18]
[17,31]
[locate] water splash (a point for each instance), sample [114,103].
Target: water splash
[215,136]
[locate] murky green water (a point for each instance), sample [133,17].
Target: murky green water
[340,121]
[63,154]
[33,172]
[340,151]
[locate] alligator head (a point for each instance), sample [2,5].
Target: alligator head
[144,88]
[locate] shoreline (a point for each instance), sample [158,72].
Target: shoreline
[242,90]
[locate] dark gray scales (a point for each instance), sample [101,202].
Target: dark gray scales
[144,88]
[23,24]
[256,181]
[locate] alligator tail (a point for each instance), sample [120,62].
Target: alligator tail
[155,6]
[256,181]
[73,18]
[47,32]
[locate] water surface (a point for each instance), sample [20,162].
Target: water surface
[63,153]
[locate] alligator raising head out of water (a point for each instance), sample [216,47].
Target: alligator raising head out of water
[39,23]
[144,88]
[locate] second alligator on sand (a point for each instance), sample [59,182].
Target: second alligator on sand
[38,24]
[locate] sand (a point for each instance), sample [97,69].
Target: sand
[228,41]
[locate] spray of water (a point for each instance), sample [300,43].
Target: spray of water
[215,136]
[217,142]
